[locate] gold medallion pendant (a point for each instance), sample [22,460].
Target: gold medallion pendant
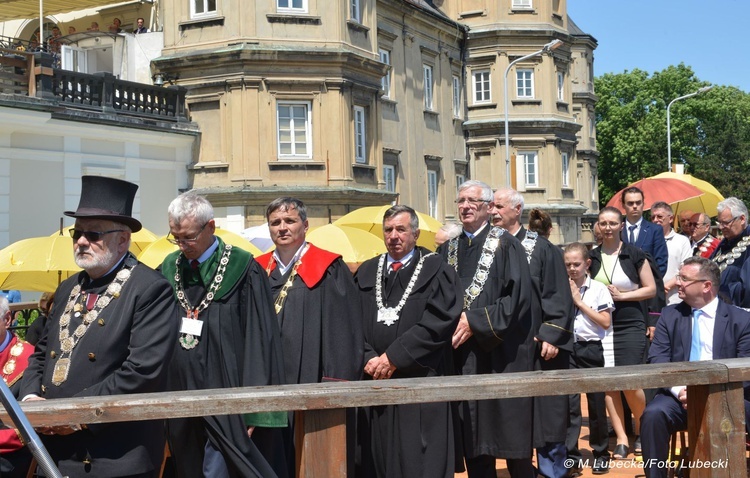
[60,373]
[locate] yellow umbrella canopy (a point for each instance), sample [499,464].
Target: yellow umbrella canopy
[138,240]
[354,245]
[370,219]
[153,254]
[705,203]
[37,263]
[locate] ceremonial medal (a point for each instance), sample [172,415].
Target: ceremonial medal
[60,374]
[388,316]
[192,325]
[484,264]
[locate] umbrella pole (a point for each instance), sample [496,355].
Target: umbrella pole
[27,432]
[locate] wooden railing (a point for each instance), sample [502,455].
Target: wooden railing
[716,427]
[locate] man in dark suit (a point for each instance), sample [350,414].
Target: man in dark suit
[700,328]
[645,235]
[112,331]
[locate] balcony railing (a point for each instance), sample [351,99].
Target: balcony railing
[33,74]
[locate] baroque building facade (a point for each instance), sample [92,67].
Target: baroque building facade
[352,103]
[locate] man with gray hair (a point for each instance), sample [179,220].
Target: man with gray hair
[494,333]
[552,311]
[112,331]
[229,338]
[447,232]
[704,244]
[678,248]
[732,253]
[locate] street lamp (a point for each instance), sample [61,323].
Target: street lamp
[553,45]
[669,132]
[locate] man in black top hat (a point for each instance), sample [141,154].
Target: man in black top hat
[112,331]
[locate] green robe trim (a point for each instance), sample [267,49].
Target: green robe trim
[238,261]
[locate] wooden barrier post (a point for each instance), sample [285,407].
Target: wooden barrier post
[323,450]
[716,431]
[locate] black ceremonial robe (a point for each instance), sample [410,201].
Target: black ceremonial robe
[125,351]
[500,319]
[320,327]
[411,440]
[321,330]
[239,347]
[552,309]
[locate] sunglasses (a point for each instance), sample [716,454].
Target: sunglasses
[91,236]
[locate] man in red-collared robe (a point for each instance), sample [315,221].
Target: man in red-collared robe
[704,244]
[317,304]
[14,356]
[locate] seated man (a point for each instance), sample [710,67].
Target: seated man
[14,356]
[700,328]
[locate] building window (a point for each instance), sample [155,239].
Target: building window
[356,12]
[291,6]
[202,8]
[385,82]
[293,129]
[565,170]
[428,87]
[521,4]
[389,177]
[529,176]
[360,136]
[432,192]
[456,96]
[592,127]
[525,83]
[560,86]
[482,86]
[460,179]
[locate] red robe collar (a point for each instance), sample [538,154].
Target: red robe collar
[21,360]
[314,265]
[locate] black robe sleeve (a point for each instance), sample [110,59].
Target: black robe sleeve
[548,272]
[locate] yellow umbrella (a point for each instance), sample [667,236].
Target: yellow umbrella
[354,245]
[138,240]
[37,263]
[153,254]
[705,203]
[370,219]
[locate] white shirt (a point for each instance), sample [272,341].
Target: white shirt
[597,296]
[706,321]
[636,231]
[404,260]
[283,268]
[679,249]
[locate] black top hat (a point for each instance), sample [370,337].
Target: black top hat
[107,198]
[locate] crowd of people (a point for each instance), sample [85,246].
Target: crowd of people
[496,297]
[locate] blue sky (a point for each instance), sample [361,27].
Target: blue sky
[712,37]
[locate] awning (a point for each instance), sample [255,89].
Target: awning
[23,9]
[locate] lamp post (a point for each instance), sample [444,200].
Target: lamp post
[554,44]
[669,125]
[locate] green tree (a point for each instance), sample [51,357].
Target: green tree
[710,132]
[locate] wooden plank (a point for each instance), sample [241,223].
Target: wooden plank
[367,393]
[738,369]
[324,445]
[716,431]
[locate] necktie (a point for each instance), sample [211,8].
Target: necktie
[695,342]
[631,235]
[395,266]
[194,264]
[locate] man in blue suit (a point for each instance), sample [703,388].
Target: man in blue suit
[644,235]
[700,328]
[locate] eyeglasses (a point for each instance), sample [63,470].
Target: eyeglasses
[698,224]
[473,202]
[686,282]
[177,242]
[91,236]
[610,225]
[727,223]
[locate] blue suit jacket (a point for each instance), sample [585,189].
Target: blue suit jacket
[651,240]
[674,334]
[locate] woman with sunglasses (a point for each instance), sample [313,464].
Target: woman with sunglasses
[625,270]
